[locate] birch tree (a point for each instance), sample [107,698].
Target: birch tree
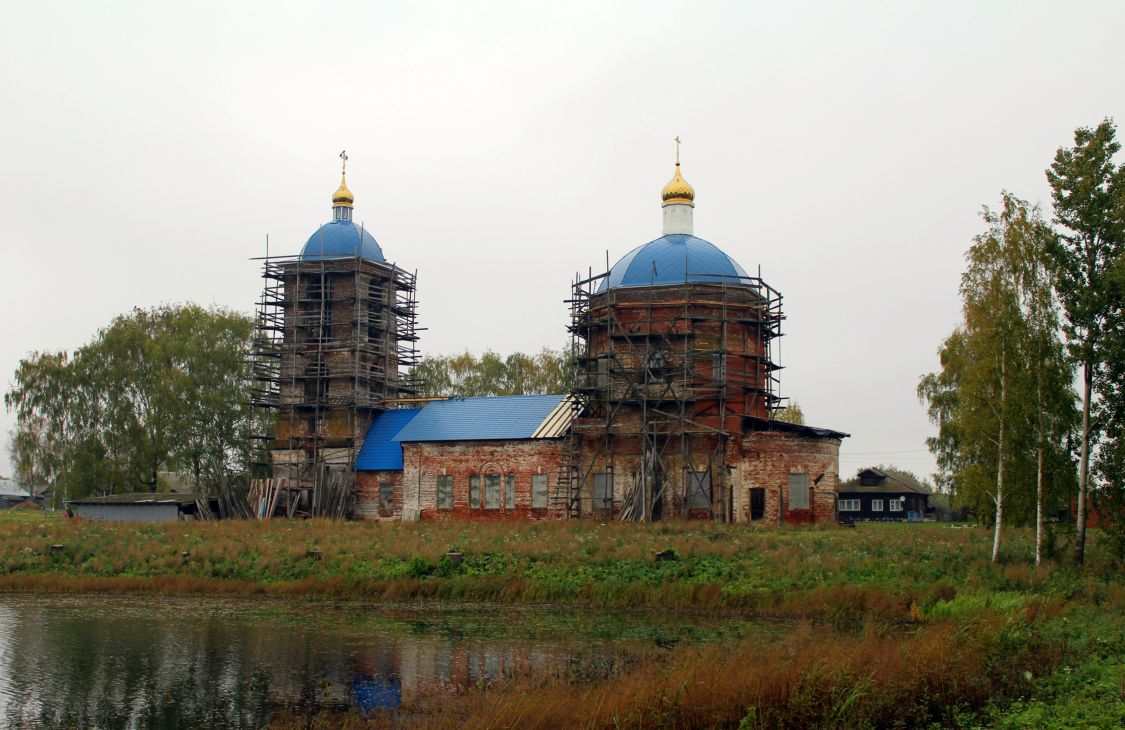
[992,386]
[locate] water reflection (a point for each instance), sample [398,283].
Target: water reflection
[130,663]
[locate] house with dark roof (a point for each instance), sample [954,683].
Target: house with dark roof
[883,495]
[486,458]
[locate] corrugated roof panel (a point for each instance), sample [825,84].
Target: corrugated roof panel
[380,451]
[557,421]
[481,419]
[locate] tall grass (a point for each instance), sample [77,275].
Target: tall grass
[899,571]
[935,675]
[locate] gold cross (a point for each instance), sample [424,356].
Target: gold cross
[677,150]
[344,162]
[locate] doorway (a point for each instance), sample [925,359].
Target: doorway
[757,503]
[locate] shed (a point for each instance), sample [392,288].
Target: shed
[144,507]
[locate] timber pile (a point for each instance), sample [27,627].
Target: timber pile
[334,497]
[264,496]
[203,509]
[232,501]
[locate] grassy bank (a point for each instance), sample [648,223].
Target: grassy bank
[891,625]
[891,569]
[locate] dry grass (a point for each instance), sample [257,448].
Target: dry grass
[884,569]
[811,678]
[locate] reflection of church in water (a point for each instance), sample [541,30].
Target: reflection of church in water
[669,416]
[85,663]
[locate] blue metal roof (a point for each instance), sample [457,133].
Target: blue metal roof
[672,259]
[338,239]
[481,419]
[381,452]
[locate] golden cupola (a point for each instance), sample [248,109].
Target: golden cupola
[343,196]
[678,198]
[678,191]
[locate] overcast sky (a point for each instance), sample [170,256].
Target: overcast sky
[148,149]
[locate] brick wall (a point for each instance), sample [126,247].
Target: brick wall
[367,495]
[769,457]
[425,462]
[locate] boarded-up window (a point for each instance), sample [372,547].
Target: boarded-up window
[474,492]
[386,498]
[718,367]
[798,491]
[445,492]
[492,491]
[603,492]
[698,490]
[539,491]
[509,492]
[603,372]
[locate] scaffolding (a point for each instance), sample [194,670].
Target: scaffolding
[335,338]
[663,376]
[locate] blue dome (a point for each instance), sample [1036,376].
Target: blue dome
[672,259]
[338,239]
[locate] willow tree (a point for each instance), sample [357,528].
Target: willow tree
[1089,196]
[1002,372]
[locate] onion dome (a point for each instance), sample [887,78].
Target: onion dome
[678,256]
[341,237]
[678,191]
[343,196]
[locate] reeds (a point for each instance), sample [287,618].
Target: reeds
[808,678]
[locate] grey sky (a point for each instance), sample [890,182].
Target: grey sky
[147,149]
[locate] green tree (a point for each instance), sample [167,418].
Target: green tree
[1088,190]
[1002,373]
[791,413]
[157,389]
[1109,467]
[466,375]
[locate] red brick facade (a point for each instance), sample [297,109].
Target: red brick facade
[768,460]
[461,460]
[370,504]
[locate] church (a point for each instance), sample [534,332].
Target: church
[669,415]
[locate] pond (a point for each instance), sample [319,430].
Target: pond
[128,662]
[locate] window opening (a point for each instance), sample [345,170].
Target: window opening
[798,491]
[698,490]
[492,491]
[539,491]
[445,492]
